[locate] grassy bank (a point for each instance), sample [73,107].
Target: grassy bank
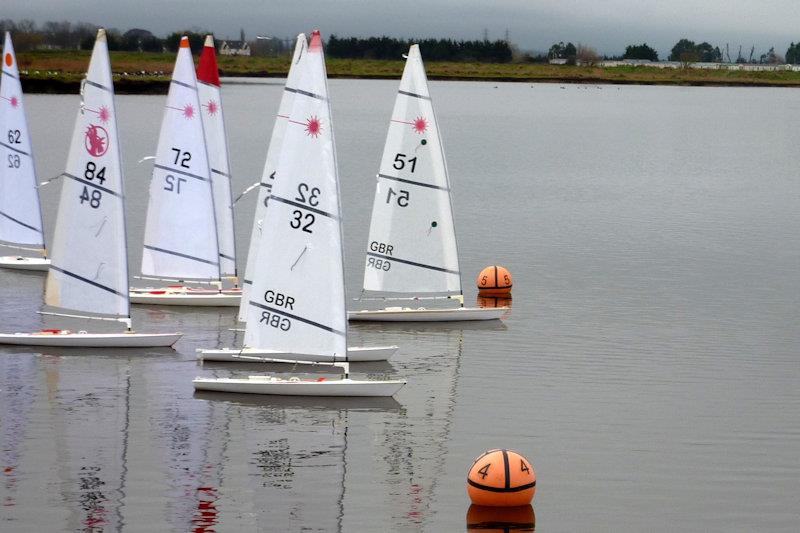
[61,71]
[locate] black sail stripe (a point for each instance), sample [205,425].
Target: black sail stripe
[412,263]
[179,254]
[95,84]
[183,172]
[221,173]
[21,223]
[227,256]
[184,85]
[412,182]
[303,206]
[502,489]
[91,184]
[248,281]
[14,149]
[87,280]
[295,317]
[7,73]
[304,93]
[415,95]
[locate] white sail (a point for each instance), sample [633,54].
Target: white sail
[20,213]
[297,299]
[180,239]
[412,242]
[89,262]
[267,177]
[208,88]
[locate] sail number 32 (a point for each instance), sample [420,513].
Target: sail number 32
[306,195]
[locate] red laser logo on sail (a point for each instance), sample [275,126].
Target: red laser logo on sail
[420,124]
[313,126]
[212,107]
[104,114]
[188,111]
[96,140]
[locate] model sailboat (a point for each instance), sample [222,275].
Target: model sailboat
[412,251]
[253,354]
[297,305]
[182,238]
[89,270]
[20,213]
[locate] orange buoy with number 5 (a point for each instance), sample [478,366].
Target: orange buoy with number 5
[501,478]
[494,281]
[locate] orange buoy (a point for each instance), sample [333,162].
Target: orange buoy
[494,281]
[500,519]
[501,478]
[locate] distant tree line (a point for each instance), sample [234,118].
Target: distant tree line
[432,49]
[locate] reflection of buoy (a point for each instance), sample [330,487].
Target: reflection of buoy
[501,519]
[501,478]
[494,281]
[494,301]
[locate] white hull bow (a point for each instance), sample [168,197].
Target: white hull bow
[66,339]
[18,262]
[405,314]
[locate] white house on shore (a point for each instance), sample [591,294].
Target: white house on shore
[234,48]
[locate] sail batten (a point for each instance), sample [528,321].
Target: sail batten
[412,245]
[89,263]
[270,170]
[20,211]
[181,237]
[296,301]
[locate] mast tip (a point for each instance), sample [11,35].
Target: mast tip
[184,42]
[316,42]
[209,41]
[101,35]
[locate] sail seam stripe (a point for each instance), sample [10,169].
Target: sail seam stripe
[9,217]
[248,281]
[227,257]
[208,84]
[304,206]
[221,173]
[267,185]
[95,84]
[87,280]
[412,263]
[415,95]
[7,73]
[175,170]
[178,254]
[299,318]
[304,93]
[412,182]
[90,184]
[15,149]
[184,84]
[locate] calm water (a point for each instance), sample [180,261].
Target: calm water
[650,368]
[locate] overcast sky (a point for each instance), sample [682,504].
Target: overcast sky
[608,25]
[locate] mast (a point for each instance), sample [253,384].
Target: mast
[89,263]
[21,224]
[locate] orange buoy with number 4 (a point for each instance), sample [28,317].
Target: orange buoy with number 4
[501,478]
[494,281]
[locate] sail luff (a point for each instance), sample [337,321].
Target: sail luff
[89,268]
[180,238]
[21,223]
[209,92]
[268,175]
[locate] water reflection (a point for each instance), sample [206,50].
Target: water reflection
[501,519]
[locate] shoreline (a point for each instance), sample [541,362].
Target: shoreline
[60,72]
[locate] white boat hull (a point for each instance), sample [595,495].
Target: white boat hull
[355,354]
[91,340]
[24,263]
[195,298]
[405,314]
[295,387]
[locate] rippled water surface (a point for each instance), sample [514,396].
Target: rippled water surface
[649,368]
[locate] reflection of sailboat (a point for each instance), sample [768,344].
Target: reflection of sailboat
[183,239]
[296,301]
[89,268]
[20,212]
[412,252]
